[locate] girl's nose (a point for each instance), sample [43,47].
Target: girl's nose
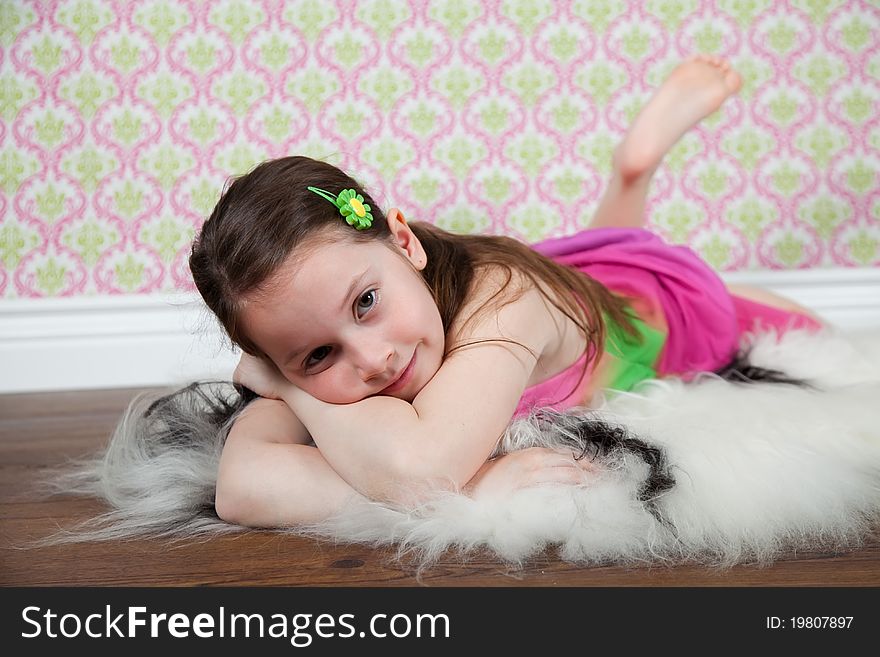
[372,360]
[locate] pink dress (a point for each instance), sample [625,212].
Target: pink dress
[688,320]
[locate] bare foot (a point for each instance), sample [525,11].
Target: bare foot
[695,89]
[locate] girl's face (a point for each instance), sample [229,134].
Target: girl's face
[352,319]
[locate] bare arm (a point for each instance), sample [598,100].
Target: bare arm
[381,444]
[270,477]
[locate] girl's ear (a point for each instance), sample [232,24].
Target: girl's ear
[405,239]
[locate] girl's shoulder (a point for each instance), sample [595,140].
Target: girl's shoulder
[503,302]
[493,280]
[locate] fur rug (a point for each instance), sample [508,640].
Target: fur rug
[760,470]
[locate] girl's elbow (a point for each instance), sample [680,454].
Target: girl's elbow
[232,504]
[227,505]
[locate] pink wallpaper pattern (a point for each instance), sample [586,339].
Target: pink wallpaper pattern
[121,121]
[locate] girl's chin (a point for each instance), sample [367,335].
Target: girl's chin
[405,396]
[335,399]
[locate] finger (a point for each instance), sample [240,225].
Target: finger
[535,459]
[568,459]
[559,475]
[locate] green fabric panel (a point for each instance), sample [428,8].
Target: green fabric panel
[634,359]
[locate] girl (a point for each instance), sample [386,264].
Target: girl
[402,351]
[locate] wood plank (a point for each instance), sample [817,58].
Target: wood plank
[41,430]
[72,402]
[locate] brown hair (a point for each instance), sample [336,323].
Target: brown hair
[263,216]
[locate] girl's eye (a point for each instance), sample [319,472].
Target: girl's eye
[366,302]
[317,356]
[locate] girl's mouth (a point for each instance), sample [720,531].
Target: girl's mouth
[402,380]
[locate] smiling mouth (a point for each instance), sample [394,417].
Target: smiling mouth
[401,380]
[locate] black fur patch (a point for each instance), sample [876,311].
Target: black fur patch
[740,370]
[596,438]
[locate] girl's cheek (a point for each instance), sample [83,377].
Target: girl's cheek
[332,389]
[322,389]
[312,385]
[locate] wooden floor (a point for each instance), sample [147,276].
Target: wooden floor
[40,430]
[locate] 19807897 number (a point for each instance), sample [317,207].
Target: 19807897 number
[809,622]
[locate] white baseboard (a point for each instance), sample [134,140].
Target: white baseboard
[114,342]
[109,342]
[849,299]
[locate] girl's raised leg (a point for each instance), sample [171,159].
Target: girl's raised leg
[695,89]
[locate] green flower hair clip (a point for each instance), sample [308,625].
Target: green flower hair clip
[351,206]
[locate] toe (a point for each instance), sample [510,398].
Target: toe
[732,81]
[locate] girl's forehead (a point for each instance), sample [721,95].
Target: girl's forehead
[332,260]
[304,295]
[323,269]
[311,294]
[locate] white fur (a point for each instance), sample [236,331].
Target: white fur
[760,469]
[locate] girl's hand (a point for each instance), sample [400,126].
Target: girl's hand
[261,376]
[526,468]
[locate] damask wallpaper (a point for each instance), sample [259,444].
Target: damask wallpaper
[120,122]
